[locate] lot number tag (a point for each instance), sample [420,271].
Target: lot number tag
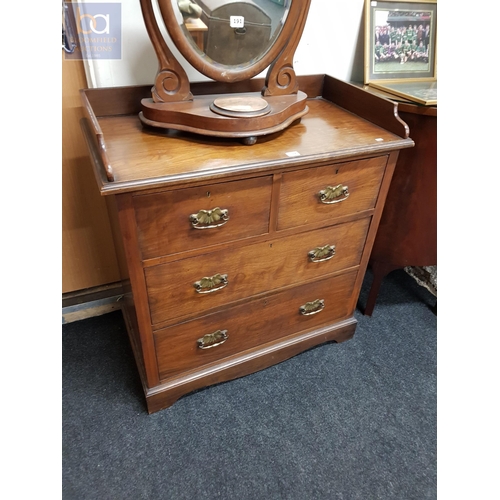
[236,21]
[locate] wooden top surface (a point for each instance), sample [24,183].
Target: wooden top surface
[142,157]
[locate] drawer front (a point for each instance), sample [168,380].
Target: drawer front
[194,286]
[179,347]
[184,219]
[346,188]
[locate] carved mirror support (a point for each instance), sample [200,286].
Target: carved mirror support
[228,41]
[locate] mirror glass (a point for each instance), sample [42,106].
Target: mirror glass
[234,33]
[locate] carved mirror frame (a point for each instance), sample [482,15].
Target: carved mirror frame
[247,115]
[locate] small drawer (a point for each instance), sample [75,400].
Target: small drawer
[213,337]
[195,285]
[174,221]
[325,193]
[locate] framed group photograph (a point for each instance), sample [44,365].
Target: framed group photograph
[400,48]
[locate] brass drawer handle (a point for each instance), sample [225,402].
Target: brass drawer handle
[207,219]
[212,339]
[334,194]
[211,284]
[321,254]
[314,307]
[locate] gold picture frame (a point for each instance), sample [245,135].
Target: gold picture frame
[400,48]
[420,92]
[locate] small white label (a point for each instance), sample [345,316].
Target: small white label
[373,4]
[379,139]
[236,21]
[293,153]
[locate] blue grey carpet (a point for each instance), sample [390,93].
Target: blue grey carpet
[355,420]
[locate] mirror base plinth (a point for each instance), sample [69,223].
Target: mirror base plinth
[196,116]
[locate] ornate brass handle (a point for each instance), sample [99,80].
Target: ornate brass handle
[314,307]
[320,254]
[211,283]
[212,339]
[333,194]
[207,219]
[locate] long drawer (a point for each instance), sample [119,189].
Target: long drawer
[322,194]
[213,337]
[175,221]
[195,285]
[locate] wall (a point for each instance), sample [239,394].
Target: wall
[332,43]
[88,254]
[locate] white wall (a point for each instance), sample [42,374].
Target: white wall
[332,43]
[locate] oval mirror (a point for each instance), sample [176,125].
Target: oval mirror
[232,32]
[228,41]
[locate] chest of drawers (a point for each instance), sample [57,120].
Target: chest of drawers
[237,257]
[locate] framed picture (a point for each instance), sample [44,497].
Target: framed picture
[400,41]
[421,92]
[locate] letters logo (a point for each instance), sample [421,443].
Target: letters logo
[98,30]
[92,22]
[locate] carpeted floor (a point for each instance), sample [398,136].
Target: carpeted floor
[349,421]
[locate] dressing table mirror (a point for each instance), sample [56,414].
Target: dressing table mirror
[228,41]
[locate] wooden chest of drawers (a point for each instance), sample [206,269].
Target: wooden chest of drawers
[237,257]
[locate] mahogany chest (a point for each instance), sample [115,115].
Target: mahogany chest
[238,257]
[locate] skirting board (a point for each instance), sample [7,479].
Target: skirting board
[91,302]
